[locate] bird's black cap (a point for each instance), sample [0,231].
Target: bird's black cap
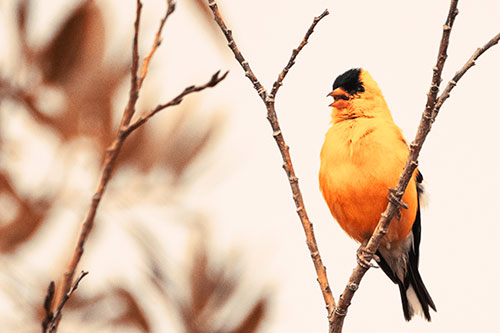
[349,81]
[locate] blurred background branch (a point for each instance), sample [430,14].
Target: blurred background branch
[67,89]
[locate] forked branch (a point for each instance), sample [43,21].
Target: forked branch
[126,128]
[268,100]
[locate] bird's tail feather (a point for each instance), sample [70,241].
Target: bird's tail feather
[414,295]
[417,295]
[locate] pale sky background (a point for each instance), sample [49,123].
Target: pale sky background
[244,191]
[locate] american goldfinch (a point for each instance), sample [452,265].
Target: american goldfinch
[362,157]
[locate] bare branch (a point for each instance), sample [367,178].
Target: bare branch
[458,75]
[268,100]
[175,101]
[57,314]
[442,56]
[295,52]
[236,51]
[134,87]
[156,43]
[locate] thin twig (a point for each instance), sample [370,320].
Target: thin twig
[112,152]
[295,52]
[432,106]
[57,314]
[134,87]
[458,75]
[268,99]
[236,51]
[214,80]
[156,43]
[442,56]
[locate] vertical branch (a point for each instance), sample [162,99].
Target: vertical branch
[134,88]
[442,56]
[272,117]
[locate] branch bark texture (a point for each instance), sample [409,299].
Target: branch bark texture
[268,99]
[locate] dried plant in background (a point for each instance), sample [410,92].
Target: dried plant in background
[29,215]
[126,128]
[72,64]
[211,289]
[337,313]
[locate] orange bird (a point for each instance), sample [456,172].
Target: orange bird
[362,157]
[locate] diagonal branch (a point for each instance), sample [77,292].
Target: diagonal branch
[236,51]
[214,80]
[295,52]
[458,75]
[432,107]
[52,326]
[268,100]
[156,43]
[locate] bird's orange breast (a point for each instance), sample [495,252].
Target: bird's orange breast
[360,160]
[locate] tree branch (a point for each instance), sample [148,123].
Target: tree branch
[458,75]
[156,43]
[214,80]
[431,109]
[112,152]
[442,56]
[134,87]
[268,100]
[53,318]
[295,52]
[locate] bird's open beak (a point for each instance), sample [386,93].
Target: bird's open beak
[340,96]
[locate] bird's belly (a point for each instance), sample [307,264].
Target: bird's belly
[355,185]
[355,200]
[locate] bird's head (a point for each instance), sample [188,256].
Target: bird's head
[356,93]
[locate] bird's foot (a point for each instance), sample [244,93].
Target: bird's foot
[363,254]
